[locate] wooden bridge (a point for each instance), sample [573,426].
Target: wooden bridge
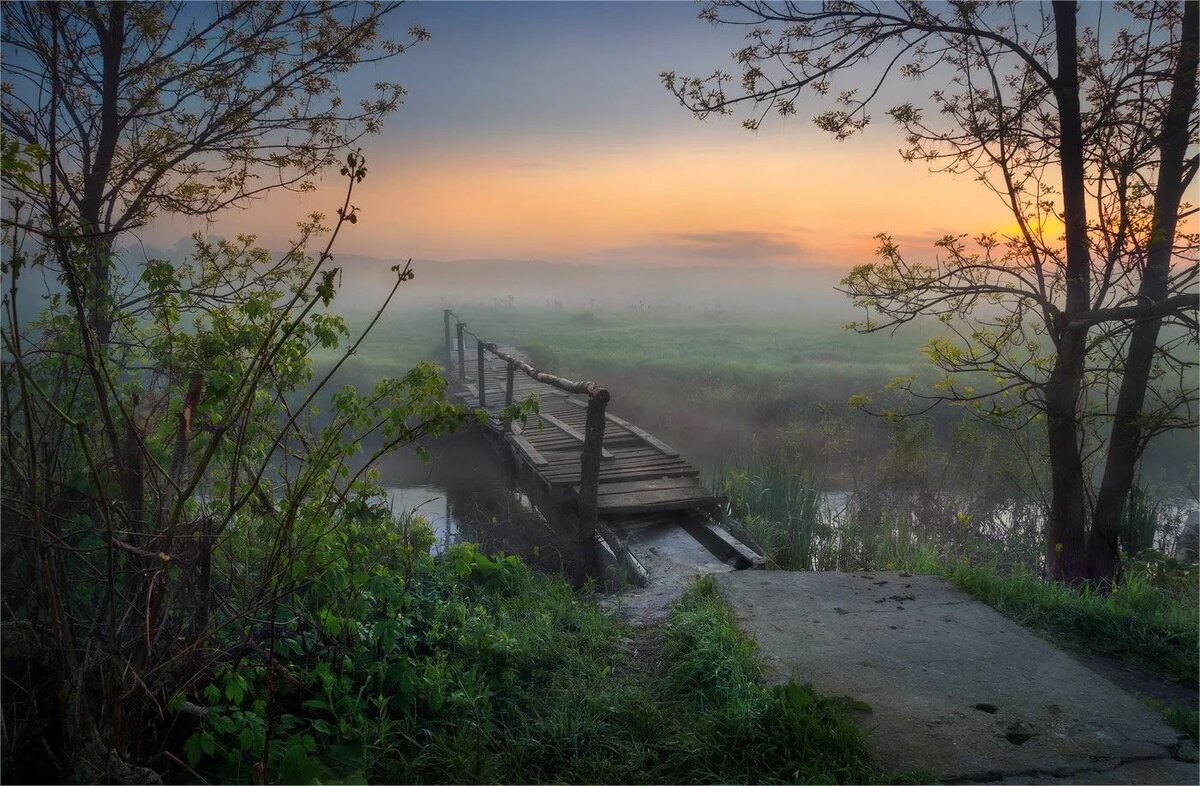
[622,489]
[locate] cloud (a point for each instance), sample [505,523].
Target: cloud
[732,246]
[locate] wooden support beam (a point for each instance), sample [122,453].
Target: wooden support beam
[571,432]
[589,474]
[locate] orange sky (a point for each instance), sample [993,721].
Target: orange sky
[793,198]
[542,131]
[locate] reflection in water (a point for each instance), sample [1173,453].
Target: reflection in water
[431,504]
[466,494]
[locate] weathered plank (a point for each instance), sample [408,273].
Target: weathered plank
[530,451]
[642,434]
[613,475]
[645,485]
[655,500]
[568,470]
[571,432]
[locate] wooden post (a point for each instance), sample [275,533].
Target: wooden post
[462,356]
[449,346]
[482,378]
[508,387]
[589,476]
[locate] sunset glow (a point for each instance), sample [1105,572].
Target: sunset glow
[499,152]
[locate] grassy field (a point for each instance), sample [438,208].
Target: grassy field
[711,382]
[740,348]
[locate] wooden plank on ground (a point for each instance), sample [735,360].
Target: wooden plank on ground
[645,485]
[571,469]
[615,475]
[655,500]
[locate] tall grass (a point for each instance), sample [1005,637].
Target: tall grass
[779,502]
[1139,521]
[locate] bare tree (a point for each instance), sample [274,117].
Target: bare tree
[1085,317]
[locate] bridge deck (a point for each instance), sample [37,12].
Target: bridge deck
[638,473]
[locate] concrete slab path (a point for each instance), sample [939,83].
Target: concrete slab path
[954,686]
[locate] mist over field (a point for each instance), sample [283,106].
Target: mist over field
[725,362]
[752,289]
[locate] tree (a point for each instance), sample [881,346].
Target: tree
[146,108]
[171,509]
[1081,318]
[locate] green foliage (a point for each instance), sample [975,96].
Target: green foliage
[191,510]
[1139,521]
[1185,720]
[470,668]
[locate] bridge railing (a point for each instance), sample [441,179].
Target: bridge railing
[598,398]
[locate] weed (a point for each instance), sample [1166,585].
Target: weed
[1185,720]
[779,503]
[471,668]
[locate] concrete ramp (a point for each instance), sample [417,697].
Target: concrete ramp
[954,687]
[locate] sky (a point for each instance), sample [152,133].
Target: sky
[542,131]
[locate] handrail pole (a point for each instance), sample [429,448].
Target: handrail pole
[449,346]
[589,476]
[508,386]
[462,356]
[482,378]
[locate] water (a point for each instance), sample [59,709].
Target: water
[431,503]
[466,495]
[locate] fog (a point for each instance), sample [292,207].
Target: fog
[598,287]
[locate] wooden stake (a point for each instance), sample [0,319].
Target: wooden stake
[589,476]
[481,379]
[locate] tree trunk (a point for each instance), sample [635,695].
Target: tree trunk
[1066,529]
[97,241]
[1128,434]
